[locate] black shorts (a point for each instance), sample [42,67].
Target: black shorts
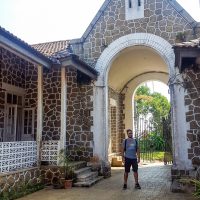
[131,162]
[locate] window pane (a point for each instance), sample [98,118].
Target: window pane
[14,99]
[25,130]
[19,100]
[26,114]
[29,130]
[9,98]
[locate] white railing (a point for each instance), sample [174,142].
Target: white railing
[50,151]
[17,155]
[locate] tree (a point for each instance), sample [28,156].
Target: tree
[142,101]
[154,104]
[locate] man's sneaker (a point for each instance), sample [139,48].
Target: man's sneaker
[125,186]
[137,186]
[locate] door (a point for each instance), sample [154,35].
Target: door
[13,117]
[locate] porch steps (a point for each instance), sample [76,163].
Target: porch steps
[88,183]
[85,177]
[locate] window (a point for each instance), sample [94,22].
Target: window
[14,99]
[28,121]
[134,9]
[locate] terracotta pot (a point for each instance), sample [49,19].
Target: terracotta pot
[68,184]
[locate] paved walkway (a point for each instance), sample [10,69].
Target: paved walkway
[154,180]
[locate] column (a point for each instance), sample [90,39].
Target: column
[63,108]
[39,113]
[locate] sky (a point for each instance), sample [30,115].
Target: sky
[37,21]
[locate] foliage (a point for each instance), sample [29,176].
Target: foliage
[22,190]
[153,104]
[151,142]
[142,99]
[197,187]
[65,162]
[156,140]
[195,183]
[157,155]
[159,107]
[181,37]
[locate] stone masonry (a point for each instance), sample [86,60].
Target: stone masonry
[116,120]
[192,102]
[17,72]
[79,120]
[160,18]
[52,104]
[15,179]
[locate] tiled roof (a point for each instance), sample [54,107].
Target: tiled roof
[50,48]
[19,45]
[191,43]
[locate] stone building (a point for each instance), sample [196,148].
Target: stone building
[78,94]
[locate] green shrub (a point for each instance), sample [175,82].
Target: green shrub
[21,191]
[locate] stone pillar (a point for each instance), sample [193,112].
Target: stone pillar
[39,113]
[99,128]
[179,129]
[63,108]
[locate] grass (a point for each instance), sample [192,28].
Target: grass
[157,155]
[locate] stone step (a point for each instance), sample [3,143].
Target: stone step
[88,183]
[78,164]
[82,171]
[87,176]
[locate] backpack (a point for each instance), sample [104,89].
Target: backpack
[136,142]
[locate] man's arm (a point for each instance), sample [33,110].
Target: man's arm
[122,151]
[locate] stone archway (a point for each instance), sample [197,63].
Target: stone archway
[100,115]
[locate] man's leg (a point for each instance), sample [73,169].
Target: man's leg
[135,176]
[127,170]
[135,173]
[125,177]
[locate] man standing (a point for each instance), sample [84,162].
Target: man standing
[130,157]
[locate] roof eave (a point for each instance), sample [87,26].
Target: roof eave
[22,49]
[75,62]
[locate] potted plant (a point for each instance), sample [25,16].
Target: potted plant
[64,162]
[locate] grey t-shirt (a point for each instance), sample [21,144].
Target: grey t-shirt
[130,148]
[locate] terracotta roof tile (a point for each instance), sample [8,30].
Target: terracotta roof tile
[50,48]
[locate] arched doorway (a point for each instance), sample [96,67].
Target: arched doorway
[127,61]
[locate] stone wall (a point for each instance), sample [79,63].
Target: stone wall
[160,19]
[121,119]
[117,120]
[17,72]
[198,30]
[14,180]
[52,104]
[113,128]
[31,89]
[2,97]
[192,103]
[79,120]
